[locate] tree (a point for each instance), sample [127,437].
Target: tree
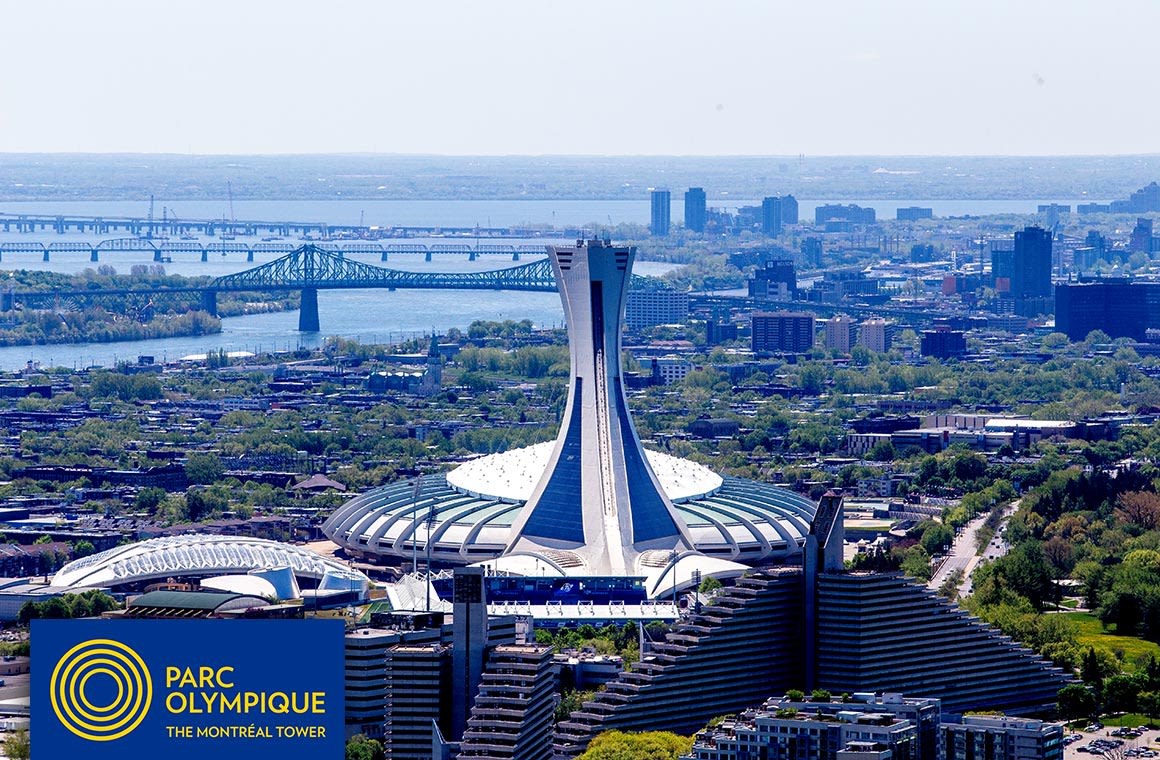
[83,549]
[650,745]
[1121,693]
[1148,703]
[203,468]
[359,747]
[16,745]
[149,499]
[1076,701]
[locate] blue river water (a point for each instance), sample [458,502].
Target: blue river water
[367,315]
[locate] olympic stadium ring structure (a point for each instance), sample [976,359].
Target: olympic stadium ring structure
[469,512]
[201,556]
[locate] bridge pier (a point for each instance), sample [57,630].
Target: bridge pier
[308,313]
[516,256]
[428,256]
[209,302]
[384,258]
[94,256]
[471,256]
[205,254]
[46,254]
[250,255]
[157,254]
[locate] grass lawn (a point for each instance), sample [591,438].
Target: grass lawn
[1092,633]
[1069,603]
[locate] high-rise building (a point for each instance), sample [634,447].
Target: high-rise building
[656,306]
[512,715]
[771,216]
[469,622]
[695,208]
[789,209]
[416,676]
[776,280]
[943,343]
[992,737]
[367,653]
[812,252]
[876,334]
[782,332]
[1031,272]
[914,213]
[850,213]
[1118,306]
[1141,241]
[840,333]
[662,204]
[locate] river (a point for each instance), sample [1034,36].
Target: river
[366,315]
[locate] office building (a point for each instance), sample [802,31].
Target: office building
[661,210]
[1031,272]
[914,213]
[851,213]
[993,737]
[812,252]
[782,332]
[469,626]
[1141,240]
[667,370]
[943,343]
[1118,306]
[416,679]
[861,727]
[512,715]
[876,334]
[777,280]
[367,654]
[695,208]
[840,333]
[789,209]
[771,216]
[656,306]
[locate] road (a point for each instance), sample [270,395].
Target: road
[963,555]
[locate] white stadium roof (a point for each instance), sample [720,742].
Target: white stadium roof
[200,555]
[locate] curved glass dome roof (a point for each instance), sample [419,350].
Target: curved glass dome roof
[200,555]
[469,515]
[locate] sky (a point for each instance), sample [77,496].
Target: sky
[624,77]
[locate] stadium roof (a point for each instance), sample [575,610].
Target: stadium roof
[200,555]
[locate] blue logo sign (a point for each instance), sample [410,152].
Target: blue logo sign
[188,688]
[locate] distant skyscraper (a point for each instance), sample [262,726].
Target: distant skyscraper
[812,252]
[771,216]
[1031,273]
[789,209]
[1141,241]
[661,209]
[694,209]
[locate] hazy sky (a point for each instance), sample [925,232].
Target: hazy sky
[585,76]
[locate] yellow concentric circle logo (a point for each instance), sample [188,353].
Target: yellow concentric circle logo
[75,678]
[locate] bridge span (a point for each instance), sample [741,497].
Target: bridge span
[164,251]
[310,268]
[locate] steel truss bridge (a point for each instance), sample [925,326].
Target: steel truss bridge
[311,268]
[166,250]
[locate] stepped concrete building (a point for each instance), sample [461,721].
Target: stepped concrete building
[512,714]
[593,502]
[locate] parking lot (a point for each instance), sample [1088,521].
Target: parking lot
[1112,743]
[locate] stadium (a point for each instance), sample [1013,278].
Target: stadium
[594,502]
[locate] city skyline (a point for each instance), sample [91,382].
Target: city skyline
[904,78]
